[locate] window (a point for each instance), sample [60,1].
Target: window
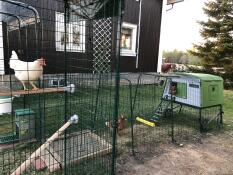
[178,89]
[128,39]
[181,90]
[75,36]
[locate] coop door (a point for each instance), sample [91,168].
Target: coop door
[213,92]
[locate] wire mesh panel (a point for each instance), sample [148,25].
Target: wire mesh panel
[140,99]
[186,124]
[59,87]
[189,122]
[153,116]
[152,121]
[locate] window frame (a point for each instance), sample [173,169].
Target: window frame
[132,51]
[70,47]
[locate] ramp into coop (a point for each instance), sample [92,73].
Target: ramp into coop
[79,146]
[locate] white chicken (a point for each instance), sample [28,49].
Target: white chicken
[27,71]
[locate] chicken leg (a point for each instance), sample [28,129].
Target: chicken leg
[24,87]
[34,86]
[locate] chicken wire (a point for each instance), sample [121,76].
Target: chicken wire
[78,78]
[141,95]
[80,43]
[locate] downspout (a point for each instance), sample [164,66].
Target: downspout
[2,69]
[139,31]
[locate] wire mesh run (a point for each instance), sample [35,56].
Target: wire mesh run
[59,60]
[152,118]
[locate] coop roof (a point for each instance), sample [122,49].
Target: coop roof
[201,76]
[94,9]
[17,14]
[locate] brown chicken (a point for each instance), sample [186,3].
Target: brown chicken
[120,123]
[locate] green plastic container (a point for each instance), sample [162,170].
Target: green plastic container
[25,123]
[9,138]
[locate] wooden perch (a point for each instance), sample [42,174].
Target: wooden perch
[40,91]
[26,163]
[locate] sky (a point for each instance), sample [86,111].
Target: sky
[179,25]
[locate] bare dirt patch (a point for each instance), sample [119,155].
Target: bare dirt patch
[213,155]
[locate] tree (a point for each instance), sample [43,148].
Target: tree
[180,57]
[172,56]
[217,32]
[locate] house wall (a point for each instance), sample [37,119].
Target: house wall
[149,35]
[28,51]
[131,15]
[55,60]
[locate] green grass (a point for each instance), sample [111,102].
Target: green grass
[228,110]
[83,103]
[93,113]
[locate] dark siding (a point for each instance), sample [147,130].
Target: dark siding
[131,11]
[150,35]
[127,64]
[131,14]
[78,62]
[82,62]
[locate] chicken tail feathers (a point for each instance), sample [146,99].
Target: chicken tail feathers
[13,60]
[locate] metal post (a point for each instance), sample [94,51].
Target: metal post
[96,102]
[221,112]
[200,120]
[66,20]
[131,118]
[117,81]
[172,116]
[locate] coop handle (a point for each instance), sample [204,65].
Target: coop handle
[26,163]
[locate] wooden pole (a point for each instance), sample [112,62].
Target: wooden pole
[35,154]
[70,88]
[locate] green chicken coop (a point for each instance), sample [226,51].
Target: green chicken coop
[197,90]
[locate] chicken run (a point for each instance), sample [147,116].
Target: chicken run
[64,106]
[53,118]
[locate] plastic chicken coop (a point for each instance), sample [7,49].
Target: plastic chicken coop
[197,90]
[60,86]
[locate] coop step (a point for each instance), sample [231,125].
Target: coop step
[158,114]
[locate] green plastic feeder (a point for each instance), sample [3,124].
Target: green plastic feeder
[25,124]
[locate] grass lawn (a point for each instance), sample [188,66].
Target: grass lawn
[96,105]
[228,110]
